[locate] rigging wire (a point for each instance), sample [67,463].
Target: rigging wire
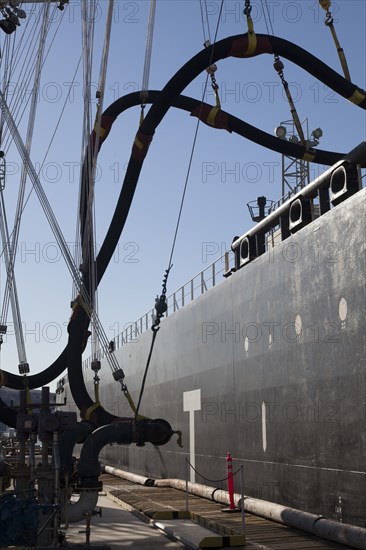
[10,289]
[148,52]
[19,98]
[53,135]
[93,162]
[205,18]
[21,79]
[279,66]
[329,22]
[193,147]
[269,25]
[161,303]
[84,299]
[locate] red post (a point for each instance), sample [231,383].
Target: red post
[230,481]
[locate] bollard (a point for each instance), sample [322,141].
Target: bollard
[230,485]
[230,481]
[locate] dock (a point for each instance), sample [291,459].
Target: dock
[155,517]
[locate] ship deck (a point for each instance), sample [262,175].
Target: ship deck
[119,523]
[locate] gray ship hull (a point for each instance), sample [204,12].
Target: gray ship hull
[269,365]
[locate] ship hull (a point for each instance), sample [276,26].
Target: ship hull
[268,365]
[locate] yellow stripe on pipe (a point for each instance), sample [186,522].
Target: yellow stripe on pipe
[252,43]
[139,143]
[357,97]
[309,156]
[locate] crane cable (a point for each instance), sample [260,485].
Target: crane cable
[10,248]
[87,18]
[147,62]
[92,165]
[279,67]
[11,290]
[83,300]
[211,69]
[17,101]
[326,4]
[252,39]
[95,365]
[20,97]
[160,302]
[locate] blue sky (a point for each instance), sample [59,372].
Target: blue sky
[227,171]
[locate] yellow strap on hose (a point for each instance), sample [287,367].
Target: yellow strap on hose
[138,143]
[96,392]
[250,24]
[295,116]
[101,130]
[341,55]
[91,409]
[212,115]
[309,156]
[252,43]
[217,97]
[357,97]
[325,4]
[252,39]
[132,405]
[80,302]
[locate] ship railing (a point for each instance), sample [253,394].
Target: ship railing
[200,283]
[285,198]
[189,291]
[192,289]
[267,234]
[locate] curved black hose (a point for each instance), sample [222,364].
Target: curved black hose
[235,46]
[16,382]
[229,47]
[98,416]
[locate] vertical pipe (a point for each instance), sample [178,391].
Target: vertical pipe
[226,259]
[57,467]
[242,499]
[44,453]
[32,456]
[186,474]
[22,453]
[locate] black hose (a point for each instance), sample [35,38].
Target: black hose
[234,46]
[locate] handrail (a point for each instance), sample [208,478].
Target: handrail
[189,291]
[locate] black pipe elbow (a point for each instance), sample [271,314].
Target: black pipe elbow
[68,440]
[88,466]
[157,432]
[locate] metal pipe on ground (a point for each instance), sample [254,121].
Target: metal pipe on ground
[135,478]
[342,533]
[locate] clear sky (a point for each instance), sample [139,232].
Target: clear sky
[227,171]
